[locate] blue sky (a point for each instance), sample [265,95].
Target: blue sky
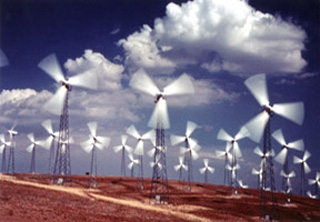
[218,43]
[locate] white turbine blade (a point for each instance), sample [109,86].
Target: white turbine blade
[228,167]
[206,162]
[2,138]
[194,155]
[318,176]
[182,85]
[181,159]
[117,148]
[202,170]
[71,140]
[281,157]
[44,143]
[55,104]
[93,128]
[129,149]
[2,148]
[99,146]
[292,174]
[243,132]
[47,125]
[257,85]
[88,148]
[133,132]
[86,80]
[160,115]
[237,150]
[306,155]
[31,137]
[151,152]
[124,139]
[211,169]
[150,135]
[228,147]
[258,151]
[223,135]
[291,111]
[105,141]
[51,66]
[298,145]
[139,148]
[141,81]
[297,160]
[257,125]
[130,165]
[152,164]
[278,136]
[306,168]
[3,59]
[176,139]
[311,181]
[47,143]
[183,150]
[191,126]
[255,172]
[30,148]
[177,167]
[220,153]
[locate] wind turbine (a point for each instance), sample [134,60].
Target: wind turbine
[132,163]
[3,149]
[47,125]
[123,148]
[316,183]
[190,149]
[282,157]
[232,142]
[263,161]
[204,170]
[180,166]
[59,105]
[305,169]
[227,157]
[32,149]
[260,125]
[91,145]
[259,174]
[11,164]
[160,121]
[233,171]
[288,187]
[139,150]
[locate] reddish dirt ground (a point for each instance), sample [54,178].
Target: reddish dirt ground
[32,198]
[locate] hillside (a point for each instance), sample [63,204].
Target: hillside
[28,197]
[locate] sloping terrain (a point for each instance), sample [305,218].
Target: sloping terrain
[26,197]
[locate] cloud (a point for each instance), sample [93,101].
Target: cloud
[222,34]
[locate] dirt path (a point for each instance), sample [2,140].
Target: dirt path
[94,195]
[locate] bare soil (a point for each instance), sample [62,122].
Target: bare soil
[27,197]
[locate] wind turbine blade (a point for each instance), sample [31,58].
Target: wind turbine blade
[257,85]
[211,169]
[257,125]
[291,111]
[223,135]
[306,168]
[255,172]
[311,181]
[242,133]
[129,149]
[139,148]
[182,85]
[292,174]
[30,148]
[160,115]
[2,148]
[141,81]
[297,160]
[47,125]
[105,141]
[3,59]
[88,148]
[55,104]
[237,149]
[206,162]
[151,152]
[258,151]
[86,80]
[130,165]
[93,128]
[177,167]
[306,155]
[281,157]
[194,154]
[124,139]
[183,150]
[117,148]
[31,137]
[150,135]
[278,136]
[176,139]
[99,146]
[51,66]
[220,153]
[133,132]
[202,170]
[191,126]
[86,143]
[298,145]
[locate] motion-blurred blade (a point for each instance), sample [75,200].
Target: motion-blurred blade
[202,170]
[194,155]
[176,139]
[141,81]
[47,125]
[3,59]
[93,128]
[99,146]
[177,167]
[55,104]
[129,149]
[51,66]
[160,115]
[257,125]
[87,149]
[281,157]
[30,148]
[278,136]
[206,162]
[255,172]
[237,150]
[211,169]
[117,148]
[124,139]
[191,126]
[306,155]
[257,85]
[258,151]
[31,137]
[151,152]
[223,135]
[291,111]
[220,153]
[150,135]
[86,80]
[311,181]
[306,168]
[292,174]
[182,85]
[2,148]
[133,132]
[298,145]
[139,148]
[2,138]
[297,160]
[105,141]
[242,133]
[86,143]
[130,165]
